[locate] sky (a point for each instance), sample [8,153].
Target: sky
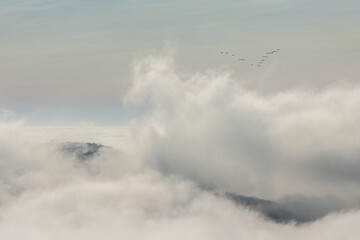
[76,56]
[123,119]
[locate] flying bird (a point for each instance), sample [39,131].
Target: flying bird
[260,61]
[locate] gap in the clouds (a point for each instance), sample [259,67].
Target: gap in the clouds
[100,115]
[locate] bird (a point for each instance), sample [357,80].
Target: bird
[221,52]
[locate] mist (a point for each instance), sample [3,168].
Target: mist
[198,138]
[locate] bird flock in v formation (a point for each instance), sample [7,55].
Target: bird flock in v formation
[261,60]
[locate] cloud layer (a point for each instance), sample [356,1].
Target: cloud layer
[205,132]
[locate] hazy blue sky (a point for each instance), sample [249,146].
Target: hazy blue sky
[74,57]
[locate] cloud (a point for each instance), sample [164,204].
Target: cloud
[210,129]
[206,132]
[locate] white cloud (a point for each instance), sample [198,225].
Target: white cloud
[297,147]
[219,134]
